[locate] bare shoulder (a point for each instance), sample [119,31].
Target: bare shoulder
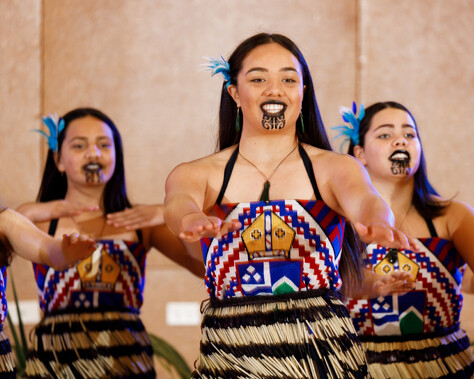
[330,162]
[203,167]
[457,210]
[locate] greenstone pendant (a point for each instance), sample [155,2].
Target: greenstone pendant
[265,195]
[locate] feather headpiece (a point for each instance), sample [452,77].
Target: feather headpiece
[350,132]
[55,125]
[219,66]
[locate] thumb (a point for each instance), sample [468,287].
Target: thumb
[361,229]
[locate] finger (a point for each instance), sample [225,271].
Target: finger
[401,240]
[361,229]
[236,225]
[414,245]
[66,240]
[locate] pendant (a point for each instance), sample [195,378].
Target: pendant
[265,195]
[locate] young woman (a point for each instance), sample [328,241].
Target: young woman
[91,326]
[18,235]
[416,335]
[274,264]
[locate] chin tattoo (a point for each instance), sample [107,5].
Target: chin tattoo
[273,122]
[94,174]
[273,115]
[400,167]
[400,162]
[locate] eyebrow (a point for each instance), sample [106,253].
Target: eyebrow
[392,126]
[85,138]
[262,69]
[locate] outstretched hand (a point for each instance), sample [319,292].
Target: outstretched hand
[385,235]
[76,247]
[140,216]
[50,210]
[197,225]
[395,283]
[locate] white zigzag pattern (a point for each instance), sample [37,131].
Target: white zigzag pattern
[127,278]
[62,289]
[231,274]
[432,300]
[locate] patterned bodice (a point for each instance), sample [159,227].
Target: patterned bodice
[112,277]
[283,246]
[3,288]
[434,304]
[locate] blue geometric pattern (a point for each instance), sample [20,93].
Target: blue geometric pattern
[312,249]
[64,289]
[437,295]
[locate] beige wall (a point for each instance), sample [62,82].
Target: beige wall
[138,61]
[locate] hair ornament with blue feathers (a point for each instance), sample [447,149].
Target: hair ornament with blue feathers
[350,132]
[219,66]
[55,126]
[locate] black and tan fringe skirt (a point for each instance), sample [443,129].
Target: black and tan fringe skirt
[109,344]
[303,335]
[431,355]
[7,362]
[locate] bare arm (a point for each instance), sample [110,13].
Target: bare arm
[31,243]
[39,212]
[185,192]
[354,196]
[138,217]
[187,255]
[460,221]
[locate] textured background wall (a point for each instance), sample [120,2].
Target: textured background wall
[138,61]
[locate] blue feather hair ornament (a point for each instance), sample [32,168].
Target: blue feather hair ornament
[219,66]
[350,132]
[55,126]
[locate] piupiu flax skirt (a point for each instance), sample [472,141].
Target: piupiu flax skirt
[109,344]
[430,355]
[302,335]
[7,362]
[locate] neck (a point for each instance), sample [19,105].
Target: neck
[397,193]
[264,148]
[88,196]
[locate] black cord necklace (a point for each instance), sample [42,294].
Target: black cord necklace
[265,195]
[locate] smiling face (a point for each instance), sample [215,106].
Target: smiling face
[391,145]
[269,88]
[87,153]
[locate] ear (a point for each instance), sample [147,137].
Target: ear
[234,93]
[359,153]
[58,162]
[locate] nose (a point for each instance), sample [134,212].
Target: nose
[274,88]
[400,141]
[93,152]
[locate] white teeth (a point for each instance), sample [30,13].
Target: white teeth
[92,166]
[400,156]
[272,108]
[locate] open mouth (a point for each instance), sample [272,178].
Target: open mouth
[273,108]
[400,155]
[92,167]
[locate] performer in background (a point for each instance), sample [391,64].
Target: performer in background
[415,335]
[91,326]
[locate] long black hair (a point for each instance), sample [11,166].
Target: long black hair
[54,183]
[314,134]
[351,263]
[423,193]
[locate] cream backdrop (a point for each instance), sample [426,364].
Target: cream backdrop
[139,62]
